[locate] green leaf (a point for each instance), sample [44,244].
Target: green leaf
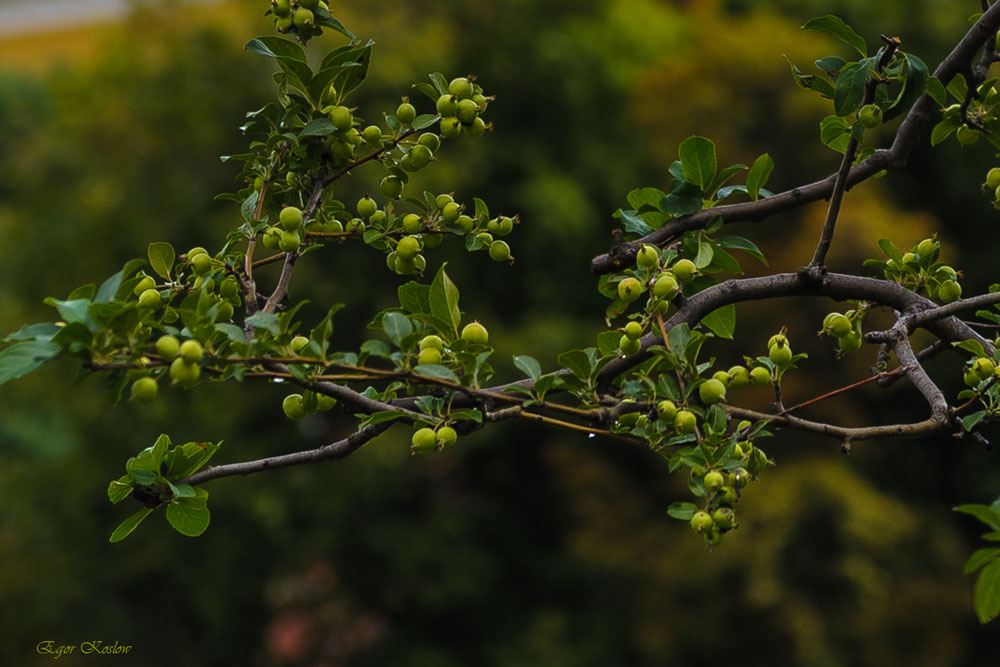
[161,258]
[705,251]
[128,525]
[22,358]
[272,46]
[74,311]
[944,129]
[397,326]
[819,84]
[266,321]
[759,173]
[682,511]
[189,516]
[437,371]
[890,249]
[697,156]
[578,362]
[936,90]
[971,345]
[528,365]
[984,513]
[443,299]
[415,298]
[634,224]
[189,458]
[120,489]
[850,88]
[986,595]
[980,557]
[969,421]
[721,321]
[740,243]
[958,88]
[318,127]
[41,332]
[834,25]
[678,338]
[834,132]
[648,197]
[913,87]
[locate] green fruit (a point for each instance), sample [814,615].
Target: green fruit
[289,241]
[430,140]
[167,347]
[461,88]
[647,257]
[408,247]
[665,286]
[948,291]
[722,376]
[150,299]
[475,333]
[432,341]
[293,407]
[281,8]
[411,223]
[909,258]
[684,270]
[405,112]
[229,288]
[225,312]
[290,218]
[446,436]
[269,239]
[777,339]
[341,118]
[633,330]
[870,115]
[983,367]
[760,375]
[780,355]
[450,127]
[967,136]
[850,343]
[927,247]
[466,111]
[443,200]
[372,134]
[298,343]
[424,440]
[184,373]
[201,264]
[324,402]
[629,290]
[429,355]
[685,421]
[432,240]
[283,23]
[971,378]
[191,351]
[711,391]
[447,105]
[485,239]
[739,377]
[333,227]
[666,410]
[146,283]
[993,178]
[499,251]
[476,128]
[714,480]
[418,157]
[308,4]
[366,207]
[303,18]
[506,226]
[195,251]
[629,346]
[451,211]
[724,519]
[144,390]
[466,223]
[701,522]
[840,326]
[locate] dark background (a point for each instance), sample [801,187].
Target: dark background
[521,546]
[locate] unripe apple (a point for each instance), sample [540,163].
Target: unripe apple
[499,251]
[780,355]
[447,105]
[269,239]
[417,158]
[281,8]
[711,391]
[633,330]
[665,286]
[303,18]
[443,200]
[195,251]
[366,207]
[475,333]
[505,226]
[167,346]
[466,111]
[224,312]
[333,226]
[298,343]
[949,291]
[432,341]
[777,339]
[372,134]
[666,410]
[429,355]
[629,346]
[714,480]
[760,375]
[724,518]
[726,495]
[451,211]
[967,136]
[450,127]
[927,247]
[289,241]
[229,288]
[983,367]
[290,218]
[184,373]
[423,440]
[840,326]
[308,4]
[685,270]
[144,390]
[722,376]
[647,257]
[430,140]
[461,87]
[446,437]
[467,223]
[629,290]
[150,299]
[191,351]
[701,522]
[146,283]
[993,178]
[324,402]
[870,115]
[971,378]
[405,112]
[685,421]
[411,223]
[293,407]
[408,247]
[850,343]
[283,23]
[476,128]
[738,377]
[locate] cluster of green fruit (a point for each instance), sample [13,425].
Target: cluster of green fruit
[299,16]
[432,350]
[297,406]
[184,369]
[460,108]
[918,269]
[723,489]
[287,234]
[661,285]
[978,370]
[222,298]
[992,184]
[846,328]
[426,439]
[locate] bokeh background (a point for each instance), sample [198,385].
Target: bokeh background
[521,546]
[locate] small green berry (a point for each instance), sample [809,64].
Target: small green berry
[168,346]
[760,375]
[146,283]
[629,290]
[685,421]
[290,218]
[666,410]
[701,522]
[405,112]
[150,299]
[461,88]
[647,257]
[684,270]
[499,251]
[450,127]
[870,115]
[475,333]
[432,341]
[144,390]
[446,437]
[298,343]
[366,207]
[714,480]
[423,440]
[711,391]
[633,330]
[191,351]
[629,346]
[293,407]
[429,355]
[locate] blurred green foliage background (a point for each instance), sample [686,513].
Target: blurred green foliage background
[521,546]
